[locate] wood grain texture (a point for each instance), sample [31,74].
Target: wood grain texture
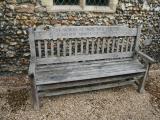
[84,89]
[87,82]
[87,71]
[83,58]
[84,31]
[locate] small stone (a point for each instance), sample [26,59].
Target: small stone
[10,53]
[13,43]
[145,6]
[24,32]
[27,8]
[56,25]
[19,32]
[11,7]
[24,17]
[26,54]
[123,6]
[73,22]
[40,9]
[157,9]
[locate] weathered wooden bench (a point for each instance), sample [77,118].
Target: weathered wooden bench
[83,58]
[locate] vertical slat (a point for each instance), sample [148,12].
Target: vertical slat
[52,49]
[87,46]
[131,46]
[127,44]
[118,44]
[58,48]
[108,45]
[98,45]
[46,49]
[93,46]
[75,46]
[122,44]
[113,44]
[64,48]
[39,48]
[81,46]
[70,47]
[103,45]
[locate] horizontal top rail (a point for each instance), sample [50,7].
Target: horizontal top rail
[83,31]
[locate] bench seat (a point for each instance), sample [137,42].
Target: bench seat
[58,73]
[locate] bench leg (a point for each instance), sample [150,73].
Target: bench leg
[142,82]
[35,97]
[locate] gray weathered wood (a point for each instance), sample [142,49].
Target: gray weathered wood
[52,48]
[58,48]
[35,96]
[92,47]
[32,68]
[145,57]
[46,48]
[87,46]
[131,45]
[81,46]
[86,82]
[138,37]
[83,58]
[64,48]
[70,47]
[103,45]
[127,44]
[76,44]
[98,45]
[122,48]
[113,45]
[117,45]
[84,31]
[108,45]
[39,49]
[88,88]
[62,74]
[32,44]
[142,82]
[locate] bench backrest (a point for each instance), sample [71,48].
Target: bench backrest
[82,43]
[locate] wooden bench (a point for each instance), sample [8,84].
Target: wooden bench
[83,58]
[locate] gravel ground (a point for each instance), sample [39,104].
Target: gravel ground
[123,103]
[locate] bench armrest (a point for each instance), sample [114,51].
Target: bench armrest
[145,57]
[32,67]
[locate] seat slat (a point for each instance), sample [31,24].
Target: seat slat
[87,66]
[80,73]
[93,70]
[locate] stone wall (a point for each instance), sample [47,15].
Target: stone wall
[16,18]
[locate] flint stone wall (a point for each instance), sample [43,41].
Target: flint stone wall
[15,19]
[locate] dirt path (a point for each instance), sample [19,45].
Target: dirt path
[123,103]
